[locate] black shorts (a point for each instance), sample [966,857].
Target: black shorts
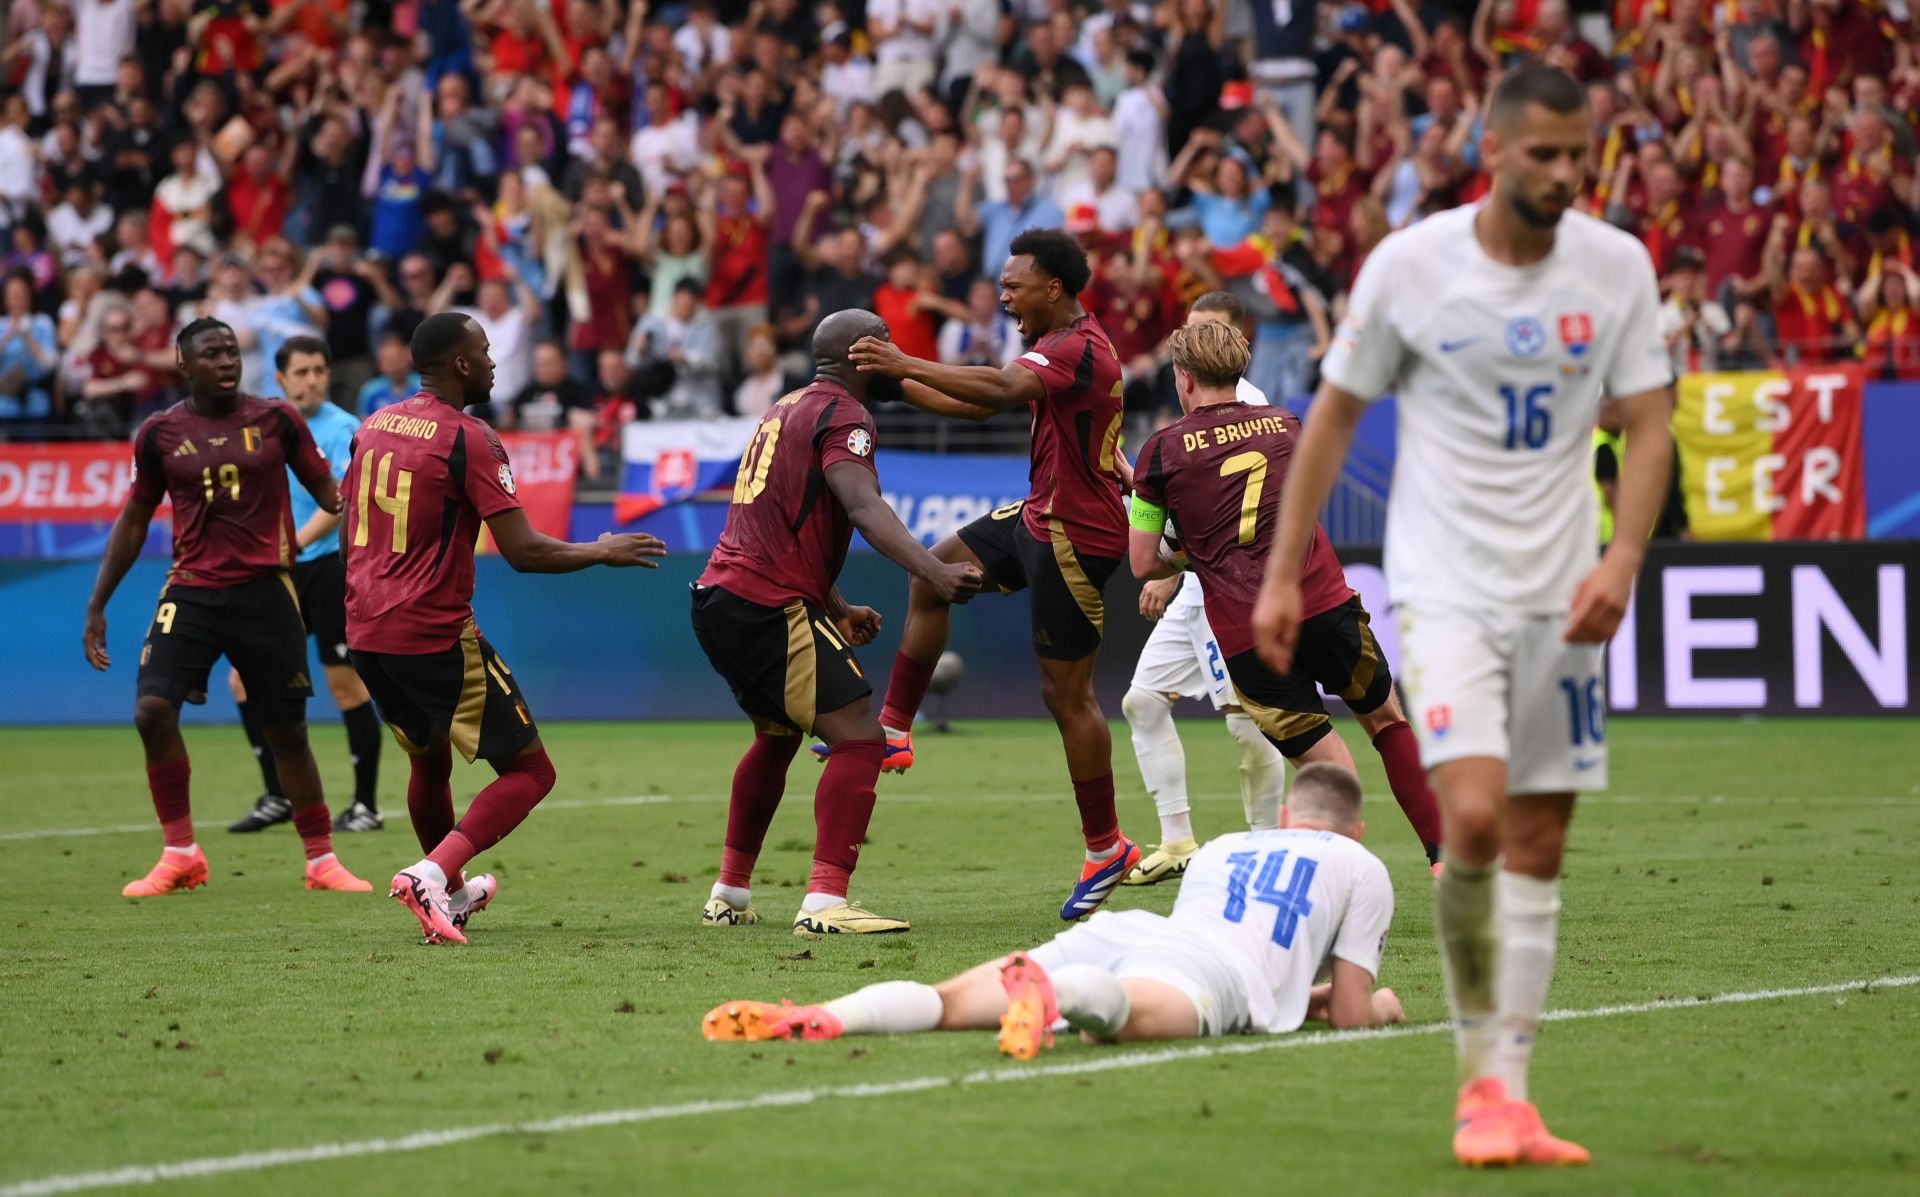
[464,690]
[785,665]
[322,587]
[1336,652]
[1069,616]
[256,626]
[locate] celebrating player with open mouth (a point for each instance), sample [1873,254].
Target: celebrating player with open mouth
[424,476]
[222,457]
[773,623]
[1260,914]
[1061,543]
[1500,325]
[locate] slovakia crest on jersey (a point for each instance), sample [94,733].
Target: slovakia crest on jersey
[506,479]
[1439,719]
[859,443]
[1525,336]
[1576,332]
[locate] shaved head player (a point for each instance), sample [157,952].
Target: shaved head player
[425,475]
[774,625]
[1060,544]
[1500,325]
[222,458]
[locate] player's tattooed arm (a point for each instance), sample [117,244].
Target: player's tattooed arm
[857,489]
[123,549]
[993,388]
[532,552]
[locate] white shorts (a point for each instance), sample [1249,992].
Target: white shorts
[1182,657]
[1505,685]
[1140,943]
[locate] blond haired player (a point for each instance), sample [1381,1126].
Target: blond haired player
[1500,325]
[1261,915]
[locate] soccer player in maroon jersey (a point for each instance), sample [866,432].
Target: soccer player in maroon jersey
[222,458]
[773,623]
[1217,473]
[1061,543]
[423,478]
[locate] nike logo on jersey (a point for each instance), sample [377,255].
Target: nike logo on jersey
[1457,346]
[1591,762]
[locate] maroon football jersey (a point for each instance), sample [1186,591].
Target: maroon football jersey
[424,475]
[1218,473]
[786,535]
[1075,487]
[227,477]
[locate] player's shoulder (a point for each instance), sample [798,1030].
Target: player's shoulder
[1429,240]
[1592,238]
[170,416]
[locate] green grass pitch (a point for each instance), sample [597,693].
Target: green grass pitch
[251,1016]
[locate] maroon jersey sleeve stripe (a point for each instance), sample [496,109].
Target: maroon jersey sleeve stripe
[450,505]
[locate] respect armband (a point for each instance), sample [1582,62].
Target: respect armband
[1147,517]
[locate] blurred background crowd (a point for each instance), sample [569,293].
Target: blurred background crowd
[649,206]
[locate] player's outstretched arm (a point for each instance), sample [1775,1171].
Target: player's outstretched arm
[858,491]
[1600,601]
[995,389]
[1316,466]
[123,548]
[532,552]
[1149,556]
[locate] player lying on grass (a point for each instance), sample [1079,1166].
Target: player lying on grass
[1216,474]
[223,458]
[773,624]
[425,475]
[1183,657]
[1261,915]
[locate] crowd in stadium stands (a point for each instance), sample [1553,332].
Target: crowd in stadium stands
[648,209]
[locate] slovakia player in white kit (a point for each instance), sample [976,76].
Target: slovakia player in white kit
[1182,660]
[1500,326]
[1261,917]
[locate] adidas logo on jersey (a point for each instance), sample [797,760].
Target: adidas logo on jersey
[186,449]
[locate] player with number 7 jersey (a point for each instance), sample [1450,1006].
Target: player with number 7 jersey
[424,476]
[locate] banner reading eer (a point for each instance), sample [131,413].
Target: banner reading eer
[1772,455]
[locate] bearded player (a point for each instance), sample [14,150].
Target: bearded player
[303,366]
[1182,658]
[1500,326]
[1215,475]
[774,625]
[425,475]
[1261,917]
[222,457]
[1060,544]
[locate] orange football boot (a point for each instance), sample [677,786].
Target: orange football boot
[1485,1131]
[1032,1009]
[329,873]
[176,871]
[756,1021]
[1538,1147]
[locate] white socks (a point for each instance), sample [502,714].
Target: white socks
[1162,759]
[737,896]
[1463,901]
[814,901]
[889,1008]
[189,850]
[1091,999]
[426,870]
[1529,917]
[1263,773]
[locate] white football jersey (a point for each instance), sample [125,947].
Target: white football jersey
[1189,598]
[1281,905]
[1499,372]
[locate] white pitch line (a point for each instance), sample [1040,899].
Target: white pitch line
[1767,800]
[254,1161]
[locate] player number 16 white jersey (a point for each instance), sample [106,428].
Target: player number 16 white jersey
[1499,372]
[1281,906]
